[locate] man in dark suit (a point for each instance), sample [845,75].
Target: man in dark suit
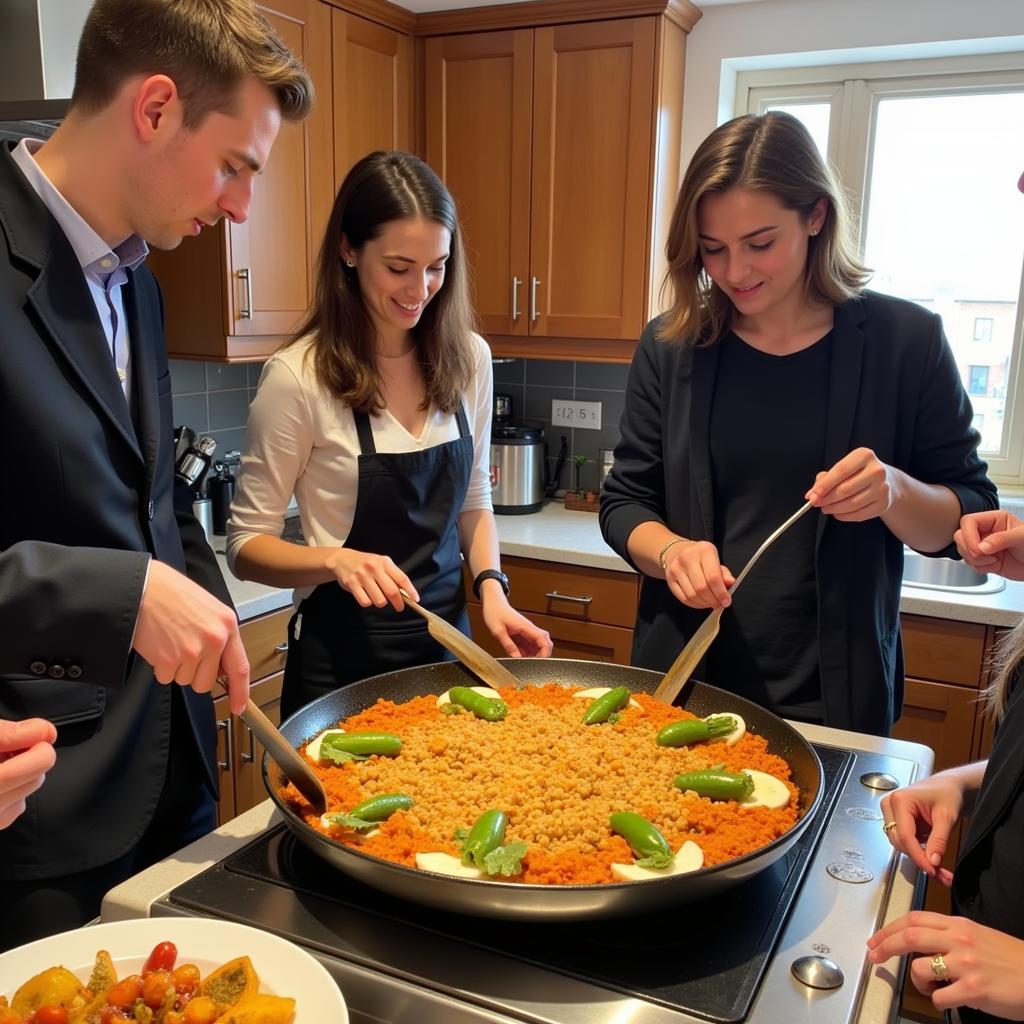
[106,581]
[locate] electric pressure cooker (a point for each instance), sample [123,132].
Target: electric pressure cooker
[517,466]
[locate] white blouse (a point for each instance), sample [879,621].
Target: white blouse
[300,439]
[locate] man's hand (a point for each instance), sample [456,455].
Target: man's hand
[189,637]
[26,755]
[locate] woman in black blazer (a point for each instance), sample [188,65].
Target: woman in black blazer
[974,960]
[775,379]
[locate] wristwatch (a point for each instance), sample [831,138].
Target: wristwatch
[490,574]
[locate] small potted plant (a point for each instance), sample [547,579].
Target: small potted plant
[578,499]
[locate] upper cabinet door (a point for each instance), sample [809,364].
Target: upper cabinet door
[236,291]
[592,130]
[478,112]
[372,90]
[268,253]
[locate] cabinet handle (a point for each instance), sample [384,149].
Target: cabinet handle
[245,274]
[533,298]
[556,596]
[516,282]
[224,724]
[282,647]
[249,756]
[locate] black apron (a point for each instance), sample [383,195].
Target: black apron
[407,506]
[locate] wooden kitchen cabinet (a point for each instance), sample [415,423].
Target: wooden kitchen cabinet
[235,292]
[945,669]
[239,753]
[560,144]
[588,612]
[372,84]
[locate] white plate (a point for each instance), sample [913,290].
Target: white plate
[284,969]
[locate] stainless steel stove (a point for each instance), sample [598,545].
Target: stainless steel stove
[787,945]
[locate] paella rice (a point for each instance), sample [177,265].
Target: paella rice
[557,779]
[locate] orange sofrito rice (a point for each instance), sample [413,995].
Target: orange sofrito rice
[557,779]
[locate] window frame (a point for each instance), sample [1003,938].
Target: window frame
[854,91]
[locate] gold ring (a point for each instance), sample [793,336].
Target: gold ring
[939,968]
[888,827]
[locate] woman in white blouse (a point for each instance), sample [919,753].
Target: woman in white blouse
[377,416]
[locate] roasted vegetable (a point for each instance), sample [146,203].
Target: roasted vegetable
[369,813]
[357,746]
[604,707]
[716,784]
[649,845]
[487,708]
[695,730]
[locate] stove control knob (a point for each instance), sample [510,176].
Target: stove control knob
[817,972]
[878,780]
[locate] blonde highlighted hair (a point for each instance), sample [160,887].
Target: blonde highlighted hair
[1007,664]
[208,48]
[773,153]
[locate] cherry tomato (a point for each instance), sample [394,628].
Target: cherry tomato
[202,1010]
[124,993]
[185,979]
[154,988]
[50,1015]
[161,959]
[112,1015]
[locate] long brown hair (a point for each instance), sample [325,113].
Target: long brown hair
[774,153]
[1006,664]
[207,47]
[384,187]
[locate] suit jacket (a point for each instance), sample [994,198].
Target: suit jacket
[87,497]
[894,388]
[988,884]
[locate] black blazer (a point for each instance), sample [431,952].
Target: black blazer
[988,884]
[894,388]
[87,496]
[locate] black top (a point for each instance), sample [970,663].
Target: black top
[764,405]
[894,388]
[988,884]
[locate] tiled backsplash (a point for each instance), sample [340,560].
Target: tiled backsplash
[213,398]
[533,384]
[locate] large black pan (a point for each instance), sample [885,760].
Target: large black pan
[514,899]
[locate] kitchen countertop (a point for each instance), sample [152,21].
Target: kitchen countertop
[557,535]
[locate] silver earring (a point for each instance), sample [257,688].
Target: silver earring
[349,264]
[814,232]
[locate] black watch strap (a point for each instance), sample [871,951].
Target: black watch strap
[490,574]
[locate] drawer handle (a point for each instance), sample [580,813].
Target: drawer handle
[282,647]
[225,725]
[249,756]
[556,596]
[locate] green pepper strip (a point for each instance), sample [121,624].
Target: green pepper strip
[606,705]
[488,833]
[380,808]
[716,784]
[487,708]
[642,836]
[364,743]
[695,730]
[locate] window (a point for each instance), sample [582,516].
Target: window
[977,381]
[930,153]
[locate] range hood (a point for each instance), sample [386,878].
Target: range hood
[38,43]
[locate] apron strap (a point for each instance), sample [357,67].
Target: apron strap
[365,432]
[460,417]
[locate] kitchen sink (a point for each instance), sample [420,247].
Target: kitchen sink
[948,575]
